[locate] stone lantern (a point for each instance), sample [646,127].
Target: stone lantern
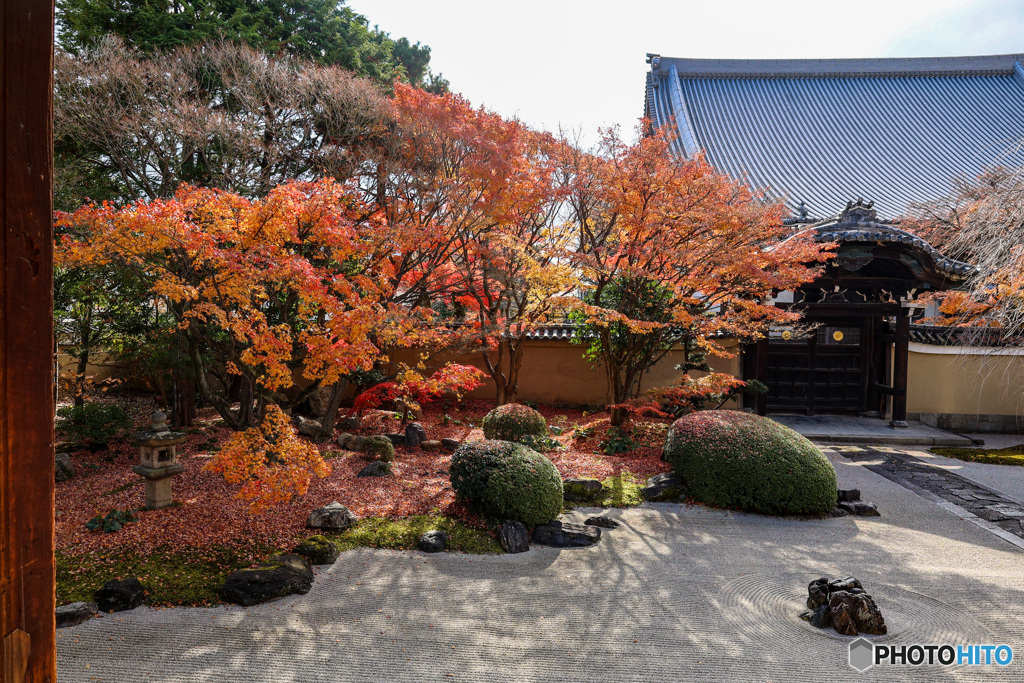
[159,461]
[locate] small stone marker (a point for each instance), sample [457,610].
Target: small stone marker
[514,537]
[119,596]
[433,541]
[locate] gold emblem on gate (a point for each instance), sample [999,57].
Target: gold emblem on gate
[837,335]
[787,335]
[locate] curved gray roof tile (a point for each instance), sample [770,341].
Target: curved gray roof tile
[896,131]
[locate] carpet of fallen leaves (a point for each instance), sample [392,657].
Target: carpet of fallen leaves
[207,513]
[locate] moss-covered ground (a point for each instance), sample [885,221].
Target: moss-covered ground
[1012,455]
[192,578]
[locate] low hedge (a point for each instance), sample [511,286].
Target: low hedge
[513,422]
[738,460]
[506,480]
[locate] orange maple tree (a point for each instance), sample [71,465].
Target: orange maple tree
[673,254]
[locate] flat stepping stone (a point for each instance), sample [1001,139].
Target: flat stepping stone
[566,535]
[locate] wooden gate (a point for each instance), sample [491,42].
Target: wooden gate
[823,371]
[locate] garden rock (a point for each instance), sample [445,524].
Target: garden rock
[378,468]
[450,445]
[566,535]
[859,507]
[513,535]
[351,422]
[352,442]
[307,427]
[431,446]
[820,617]
[580,490]
[76,613]
[840,610]
[333,517]
[396,439]
[849,494]
[662,487]
[839,512]
[433,541]
[844,605]
[603,522]
[118,596]
[415,434]
[63,468]
[282,575]
[318,550]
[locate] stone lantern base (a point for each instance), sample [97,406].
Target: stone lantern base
[158,484]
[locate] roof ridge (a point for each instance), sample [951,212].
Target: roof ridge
[826,68]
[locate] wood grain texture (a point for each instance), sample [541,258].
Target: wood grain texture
[26,340]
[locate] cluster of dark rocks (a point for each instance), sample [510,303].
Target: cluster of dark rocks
[843,605]
[515,537]
[117,595]
[851,504]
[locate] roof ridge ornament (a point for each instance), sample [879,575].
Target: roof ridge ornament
[861,212]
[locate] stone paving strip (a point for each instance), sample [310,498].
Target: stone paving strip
[974,502]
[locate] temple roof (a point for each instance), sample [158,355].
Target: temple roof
[825,131]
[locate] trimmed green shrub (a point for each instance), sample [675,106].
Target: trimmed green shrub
[511,422]
[93,425]
[507,481]
[380,447]
[738,460]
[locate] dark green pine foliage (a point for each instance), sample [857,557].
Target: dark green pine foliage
[323,31]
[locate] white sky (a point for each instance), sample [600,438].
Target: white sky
[580,64]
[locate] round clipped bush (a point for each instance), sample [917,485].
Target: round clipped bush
[512,422]
[738,460]
[507,481]
[379,447]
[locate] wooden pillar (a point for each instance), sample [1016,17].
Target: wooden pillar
[901,356]
[27,630]
[761,375]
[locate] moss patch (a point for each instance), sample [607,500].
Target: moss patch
[172,578]
[619,491]
[404,534]
[1013,455]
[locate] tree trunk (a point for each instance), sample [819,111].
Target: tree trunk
[83,365]
[183,412]
[331,413]
[246,414]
